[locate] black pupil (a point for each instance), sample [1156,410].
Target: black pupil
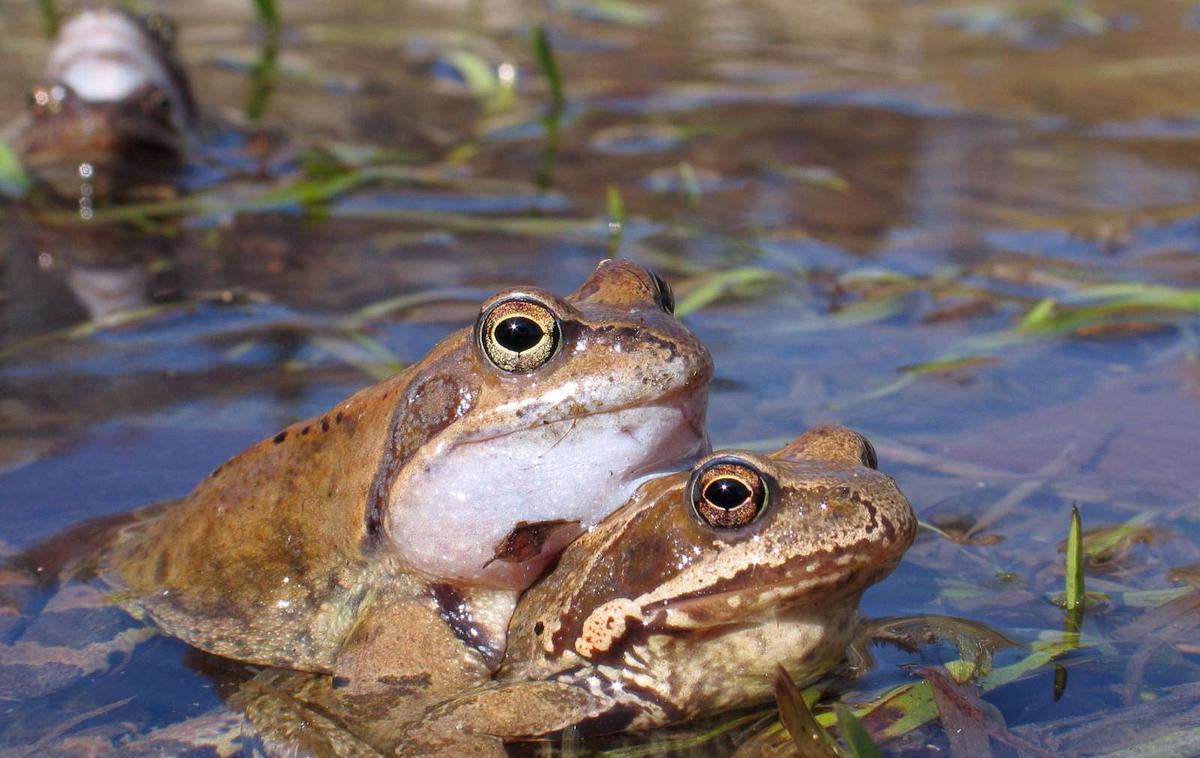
[726,493]
[518,333]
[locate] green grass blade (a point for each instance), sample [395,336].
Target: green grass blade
[14,182]
[1074,596]
[49,17]
[616,217]
[544,54]
[858,743]
[267,12]
[716,285]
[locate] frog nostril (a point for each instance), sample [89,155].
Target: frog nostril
[538,628]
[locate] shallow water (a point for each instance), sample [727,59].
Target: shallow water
[896,187]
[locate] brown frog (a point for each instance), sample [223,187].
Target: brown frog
[676,606]
[682,603]
[115,114]
[411,514]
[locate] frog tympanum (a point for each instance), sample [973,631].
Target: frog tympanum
[115,112]
[678,605]
[408,518]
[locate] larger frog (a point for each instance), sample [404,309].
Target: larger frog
[114,114]
[678,605]
[412,513]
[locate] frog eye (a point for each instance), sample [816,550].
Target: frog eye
[518,335]
[727,493]
[664,295]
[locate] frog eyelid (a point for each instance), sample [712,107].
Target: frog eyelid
[532,338]
[727,474]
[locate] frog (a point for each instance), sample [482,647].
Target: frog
[114,116]
[683,602]
[678,605]
[409,516]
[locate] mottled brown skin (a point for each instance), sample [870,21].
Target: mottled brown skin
[280,556]
[654,617]
[651,618]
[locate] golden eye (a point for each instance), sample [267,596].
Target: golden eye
[518,335]
[727,493]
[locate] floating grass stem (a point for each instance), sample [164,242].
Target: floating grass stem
[718,284]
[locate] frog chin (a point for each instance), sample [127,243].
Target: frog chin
[451,514]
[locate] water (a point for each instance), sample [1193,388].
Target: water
[899,186]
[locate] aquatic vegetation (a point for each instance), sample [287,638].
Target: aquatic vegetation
[14,182]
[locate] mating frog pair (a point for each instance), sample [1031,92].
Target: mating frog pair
[678,605]
[379,550]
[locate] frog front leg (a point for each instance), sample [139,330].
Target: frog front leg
[414,646]
[279,720]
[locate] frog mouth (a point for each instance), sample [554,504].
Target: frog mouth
[748,601]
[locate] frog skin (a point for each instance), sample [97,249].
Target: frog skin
[682,603]
[409,517]
[415,511]
[656,615]
[114,98]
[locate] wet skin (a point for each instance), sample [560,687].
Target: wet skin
[393,524]
[678,605]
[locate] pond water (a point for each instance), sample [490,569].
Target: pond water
[971,231]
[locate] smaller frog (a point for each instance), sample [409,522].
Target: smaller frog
[115,114]
[682,603]
[676,606]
